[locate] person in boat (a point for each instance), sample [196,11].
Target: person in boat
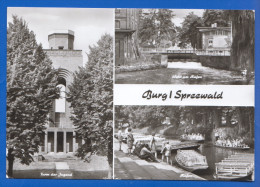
[167,152]
[130,141]
[153,145]
[120,137]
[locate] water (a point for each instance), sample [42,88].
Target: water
[181,73]
[213,155]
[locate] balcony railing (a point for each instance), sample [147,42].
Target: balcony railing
[215,52]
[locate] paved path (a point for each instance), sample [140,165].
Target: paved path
[62,166]
[131,167]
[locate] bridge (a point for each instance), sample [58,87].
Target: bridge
[198,52]
[217,58]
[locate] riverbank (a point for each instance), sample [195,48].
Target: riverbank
[132,167]
[139,67]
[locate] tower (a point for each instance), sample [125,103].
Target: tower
[61,39]
[60,134]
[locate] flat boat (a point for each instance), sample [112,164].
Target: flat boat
[191,160]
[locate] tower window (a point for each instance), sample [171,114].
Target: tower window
[61,47]
[61,102]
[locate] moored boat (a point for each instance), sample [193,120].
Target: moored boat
[235,167]
[230,147]
[181,146]
[191,160]
[198,138]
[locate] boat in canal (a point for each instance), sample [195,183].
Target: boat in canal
[191,160]
[198,138]
[230,147]
[179,146]
[236,167]
[231,144]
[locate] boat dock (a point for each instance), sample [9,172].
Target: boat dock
[132,167]
[175,145]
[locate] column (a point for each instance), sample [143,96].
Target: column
[164,60]
[46,142]
[55,141]
[74,142]
[64,142]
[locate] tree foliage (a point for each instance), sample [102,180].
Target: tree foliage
[189,119]
[157,26]
[31,88]
[215,16]
[189,33]
[91,97]
[243,43]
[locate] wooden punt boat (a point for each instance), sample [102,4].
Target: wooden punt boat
[191,160]
[236,148]
[236,167]
[181,146]
[195,141]
[232,171]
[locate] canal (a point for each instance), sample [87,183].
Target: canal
[181,73]
[213,155]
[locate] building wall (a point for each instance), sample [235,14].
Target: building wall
[61,40]
[68,61]
[60,135]
[126,31]
[215,40]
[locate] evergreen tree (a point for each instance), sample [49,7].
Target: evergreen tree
[31,88]
[91,98]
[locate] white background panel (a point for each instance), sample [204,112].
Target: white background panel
[233,95]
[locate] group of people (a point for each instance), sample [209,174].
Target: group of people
[231,143]
[129,137]
[192,136]
[144,150]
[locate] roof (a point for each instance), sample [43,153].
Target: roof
[205,29]
[62,32]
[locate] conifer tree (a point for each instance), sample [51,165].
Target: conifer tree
[31,88]
[91,98]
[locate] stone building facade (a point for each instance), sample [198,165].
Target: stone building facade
[126,30]
[60,135]
[216,38]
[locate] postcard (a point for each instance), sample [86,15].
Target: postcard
[130,94]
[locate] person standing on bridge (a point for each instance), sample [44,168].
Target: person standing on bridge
[153,145]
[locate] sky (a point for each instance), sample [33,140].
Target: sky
[88,24]
[180,14]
